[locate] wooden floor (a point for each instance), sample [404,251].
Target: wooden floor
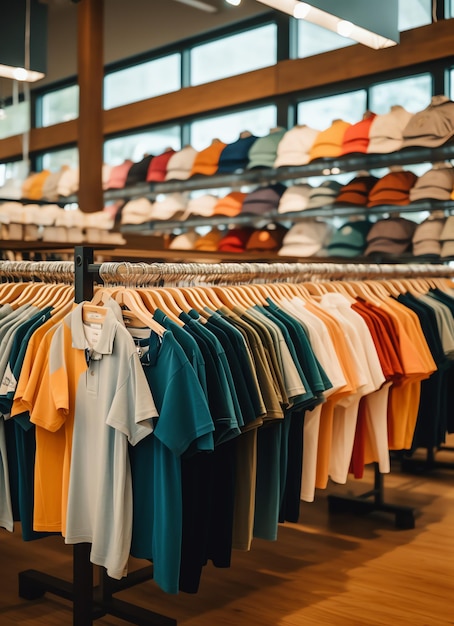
[328,570]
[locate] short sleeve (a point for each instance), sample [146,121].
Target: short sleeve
[133,408]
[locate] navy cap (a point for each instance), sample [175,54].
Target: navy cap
[235,156]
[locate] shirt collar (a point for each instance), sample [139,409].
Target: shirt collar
[106,339]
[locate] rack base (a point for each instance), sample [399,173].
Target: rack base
[421,466]
[373,501]
[91,603]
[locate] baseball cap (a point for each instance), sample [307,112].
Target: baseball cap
[437,183]
[118,175]
[295,198]
[234,156]
[185,241]
[385,134]
[263,200]
[68,183]
[136,211]
[357,191]
[172,206]
[235,239]
[294,147]
[264,150]
[328,143]
[206,161]
[180,164]
[393,188]
[210,241]
[431,127]
[306,238]
[324,195]
[230,205]
[158,166]
[427,237]
[12,189]
[447,238]
[138,171]
[356,137]
[202,205]
[350,240]
[267,239]
[392,236]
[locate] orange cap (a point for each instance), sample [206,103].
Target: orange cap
[328,143]
[230,205]
[393,188]
[356,138]
[206,161]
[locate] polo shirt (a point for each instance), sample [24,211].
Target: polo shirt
[21,443]
[189,345]
[97,394]
[268,388]
[184,424]
[326,354]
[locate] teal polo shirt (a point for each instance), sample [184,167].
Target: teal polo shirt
[184,423]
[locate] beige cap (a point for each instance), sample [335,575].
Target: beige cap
[180,164]
[386,130]
[136,211]
[202,205]
[427,237]
[436,184]
[306,238]
[185,241]
[431,127]
[295,198]
[171,207]
[295,145]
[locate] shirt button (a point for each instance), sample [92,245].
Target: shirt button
[92,373]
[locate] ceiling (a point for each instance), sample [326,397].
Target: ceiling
[134,27]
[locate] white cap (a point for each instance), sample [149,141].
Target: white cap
[169,207]
[295,198]
[202,205]
[295,145]
[136,211]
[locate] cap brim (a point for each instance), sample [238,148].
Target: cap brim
[347,251]
[433,193]
[447,249]
[428,247]
[386,247]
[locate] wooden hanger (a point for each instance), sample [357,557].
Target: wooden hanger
[129,298]
[156,298]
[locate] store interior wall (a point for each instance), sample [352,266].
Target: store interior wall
[134,27]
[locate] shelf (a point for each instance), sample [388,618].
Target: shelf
[260,220]
[258,176]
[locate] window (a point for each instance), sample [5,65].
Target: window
[413,93]
[142,81]
[451,81]
[313,39]
[16,119]
[414,13]
[321,112]
[58,106]
[136,145]
[450,11]
[15,169]
[228,127]
[54,160]
[234,54]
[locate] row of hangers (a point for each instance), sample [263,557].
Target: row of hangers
[139,300]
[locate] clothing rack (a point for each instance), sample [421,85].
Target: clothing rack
[89,602]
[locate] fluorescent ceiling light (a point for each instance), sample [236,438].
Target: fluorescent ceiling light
[20,73]
[23,40]
[199,4]
[370,22]
[235,3]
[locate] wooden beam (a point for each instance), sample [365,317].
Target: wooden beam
[428,43]
[90,123]
[189,101]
